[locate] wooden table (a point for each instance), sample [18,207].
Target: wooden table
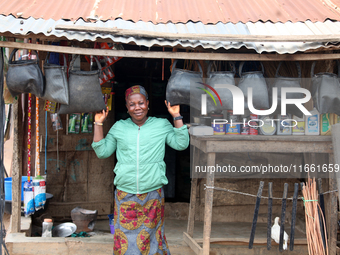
[260,143]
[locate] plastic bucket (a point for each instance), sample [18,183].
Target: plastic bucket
[8,188]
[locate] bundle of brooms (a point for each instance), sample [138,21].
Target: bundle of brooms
[315,221]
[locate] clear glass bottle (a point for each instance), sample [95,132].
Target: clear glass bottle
[47,228]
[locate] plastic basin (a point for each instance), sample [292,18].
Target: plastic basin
[8,188]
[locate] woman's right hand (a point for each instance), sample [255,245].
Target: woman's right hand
[101,116]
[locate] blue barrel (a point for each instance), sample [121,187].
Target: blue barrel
[8,188]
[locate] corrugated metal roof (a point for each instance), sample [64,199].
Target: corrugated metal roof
[177,11]
[36,26]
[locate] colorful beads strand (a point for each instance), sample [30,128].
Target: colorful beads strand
[37,138]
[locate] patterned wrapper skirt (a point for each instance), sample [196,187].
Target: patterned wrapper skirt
[139,224]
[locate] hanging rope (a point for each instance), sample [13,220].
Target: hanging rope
[252,195]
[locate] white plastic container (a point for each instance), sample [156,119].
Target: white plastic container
[286,128]
[47,228]
[312,123]
[299,129]
[268,127]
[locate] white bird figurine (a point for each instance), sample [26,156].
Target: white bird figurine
[276,234]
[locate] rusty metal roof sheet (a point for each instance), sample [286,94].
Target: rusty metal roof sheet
[176,11]
[36,26]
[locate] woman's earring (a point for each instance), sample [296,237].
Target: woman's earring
[148,108]
[127,111]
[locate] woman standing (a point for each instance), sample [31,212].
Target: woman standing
[139,143]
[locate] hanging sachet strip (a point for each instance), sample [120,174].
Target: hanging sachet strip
[37,138]
[29,136]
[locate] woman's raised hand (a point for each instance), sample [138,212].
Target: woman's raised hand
[173,110]
[101,116]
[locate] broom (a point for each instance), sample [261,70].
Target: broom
[313,215]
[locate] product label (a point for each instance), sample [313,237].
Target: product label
[299,128]
[233,130]
[312,124]
[219,129]
[325,118]
[284,129]
[245,130]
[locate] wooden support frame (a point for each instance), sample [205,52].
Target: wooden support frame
[229,144]
[172,55]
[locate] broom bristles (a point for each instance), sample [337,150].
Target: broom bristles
[313,231]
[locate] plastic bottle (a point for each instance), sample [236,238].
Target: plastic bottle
[312,126]
[218,126]
[253,124]
[245,127]
[326,120]
[299,129]
[286,128]
[47,228]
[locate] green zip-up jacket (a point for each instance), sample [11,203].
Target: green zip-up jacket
[140,152]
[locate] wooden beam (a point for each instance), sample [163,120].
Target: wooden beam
[192,244]
[197,36]
[172,55]
[16,168]
[245,240]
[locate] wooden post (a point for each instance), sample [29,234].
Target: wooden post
[336,150]
[332,211]
[209,192]
[334,183]
[192,208]
[16,168]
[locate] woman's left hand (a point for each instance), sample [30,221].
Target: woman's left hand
[173,110]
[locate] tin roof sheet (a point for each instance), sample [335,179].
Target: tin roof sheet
[176,11]
[36,26]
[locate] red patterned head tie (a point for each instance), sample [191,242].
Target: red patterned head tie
[137,89]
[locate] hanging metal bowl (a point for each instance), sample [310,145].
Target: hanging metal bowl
[64,229]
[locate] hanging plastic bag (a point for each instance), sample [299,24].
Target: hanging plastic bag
[287,82]
[56,122]
[28,199]
[216,78]
[56,88]
[39,190]
[85,91]
[8,98]
[25,76]
[256,81]
[181,87]
[326,91]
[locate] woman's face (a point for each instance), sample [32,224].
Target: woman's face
[137,106]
